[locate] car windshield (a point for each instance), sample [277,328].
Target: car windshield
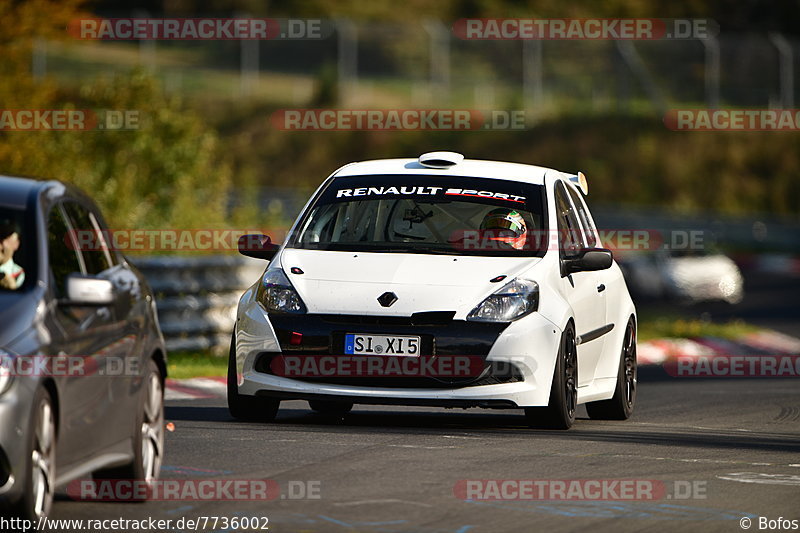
[17,250]
[426,214]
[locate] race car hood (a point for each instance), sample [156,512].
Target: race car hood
[351,282]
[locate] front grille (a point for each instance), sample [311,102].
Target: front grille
[430,318]
[491,374]
[441,337]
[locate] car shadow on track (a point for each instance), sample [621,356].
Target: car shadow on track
[478,424]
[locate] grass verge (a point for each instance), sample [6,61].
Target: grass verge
[671,326]
[195,364]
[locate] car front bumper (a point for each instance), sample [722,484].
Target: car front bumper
[528,345]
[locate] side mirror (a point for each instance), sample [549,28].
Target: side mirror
[88,290]
[587,261]
[257,245]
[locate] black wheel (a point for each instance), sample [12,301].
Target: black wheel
[330,408]
[620,406]
[560,410]
[247,408]
[148,445]
[39,473]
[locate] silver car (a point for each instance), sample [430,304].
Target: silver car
[83,359]
[685,276]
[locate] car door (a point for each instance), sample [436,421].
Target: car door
[75,334]
[116,363]
[606,284]
[82,333]
[584,291]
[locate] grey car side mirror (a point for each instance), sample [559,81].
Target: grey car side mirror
[88,290]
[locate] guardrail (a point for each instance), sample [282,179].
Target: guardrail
[196,297]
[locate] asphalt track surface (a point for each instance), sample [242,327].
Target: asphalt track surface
[394,470]
[717,451]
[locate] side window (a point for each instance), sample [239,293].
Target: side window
[92,244]
[586,221]
[63,253]
[569,229]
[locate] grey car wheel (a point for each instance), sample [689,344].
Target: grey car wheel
[148,445]
[40,475]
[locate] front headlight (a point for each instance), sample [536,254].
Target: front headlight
[277,295]
[6,364]
[510,302]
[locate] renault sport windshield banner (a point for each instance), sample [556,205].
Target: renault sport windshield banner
[425,188]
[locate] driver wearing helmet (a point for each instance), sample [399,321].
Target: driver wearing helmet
[506,226]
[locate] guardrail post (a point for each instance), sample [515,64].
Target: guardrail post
[348,58]
[532,81]
[711,45]
[439,57]
[249,65]
[786,63]
[39,59]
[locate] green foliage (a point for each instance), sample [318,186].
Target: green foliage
[627,160]
[327,91]
[167,173]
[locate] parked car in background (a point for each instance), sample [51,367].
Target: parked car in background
[685,276]
[83,359]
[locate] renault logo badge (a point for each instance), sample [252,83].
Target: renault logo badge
[387,299]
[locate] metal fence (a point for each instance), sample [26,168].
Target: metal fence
[196,297]
[425,64]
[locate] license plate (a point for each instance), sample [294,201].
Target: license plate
[397,345]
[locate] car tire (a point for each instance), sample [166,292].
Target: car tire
[148,443]
[560,410]
[620,406]
[39,480]
[330,408]
[247,408]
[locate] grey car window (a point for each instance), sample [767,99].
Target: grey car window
[95,252]
[64,259]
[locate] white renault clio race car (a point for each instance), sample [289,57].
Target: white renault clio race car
[438,281]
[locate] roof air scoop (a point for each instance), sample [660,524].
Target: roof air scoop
[579,179]
[440,159]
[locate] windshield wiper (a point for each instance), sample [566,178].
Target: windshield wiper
[437,251]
